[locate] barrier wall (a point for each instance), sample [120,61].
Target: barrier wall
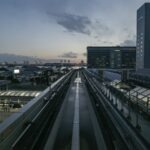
[11,128]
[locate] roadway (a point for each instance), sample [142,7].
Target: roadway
[76,126]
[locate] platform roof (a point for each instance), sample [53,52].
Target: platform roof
[19,93]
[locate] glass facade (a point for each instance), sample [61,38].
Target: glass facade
[143,37]
[111,57]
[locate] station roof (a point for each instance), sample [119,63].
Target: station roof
[19,93]
[141,93]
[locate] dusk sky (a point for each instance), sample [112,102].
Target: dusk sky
[64,28]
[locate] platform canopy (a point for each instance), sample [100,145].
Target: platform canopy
[19,93]
[141,93]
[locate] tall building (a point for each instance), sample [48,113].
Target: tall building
[111,57]
[98,57]
[143,37]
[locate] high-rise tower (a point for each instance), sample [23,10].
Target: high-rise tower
[143,37]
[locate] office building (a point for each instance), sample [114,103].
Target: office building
[111,57]
[143,37]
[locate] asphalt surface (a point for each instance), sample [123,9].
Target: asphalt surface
[87,136]
[68,120]
[64,135]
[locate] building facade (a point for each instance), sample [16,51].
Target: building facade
[111,57]
[143,37]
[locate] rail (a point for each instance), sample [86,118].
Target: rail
[131,139]
[18,123]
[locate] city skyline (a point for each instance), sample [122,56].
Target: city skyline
[63,29]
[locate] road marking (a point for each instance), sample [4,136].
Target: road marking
[76,133]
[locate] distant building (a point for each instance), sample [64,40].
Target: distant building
[143,37]
[111,57]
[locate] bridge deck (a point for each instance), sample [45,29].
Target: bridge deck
[78,126]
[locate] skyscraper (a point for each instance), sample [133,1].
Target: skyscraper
[143,37]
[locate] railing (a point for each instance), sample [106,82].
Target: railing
[129,136]
[13,126]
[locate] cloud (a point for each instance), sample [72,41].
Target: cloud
[84,54]
[100,31]
[74,23]
[100,27]
[11,58]
[130,41]
[107,42]
[69,55]
[90,21]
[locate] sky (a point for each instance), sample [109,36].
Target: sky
[62,29]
